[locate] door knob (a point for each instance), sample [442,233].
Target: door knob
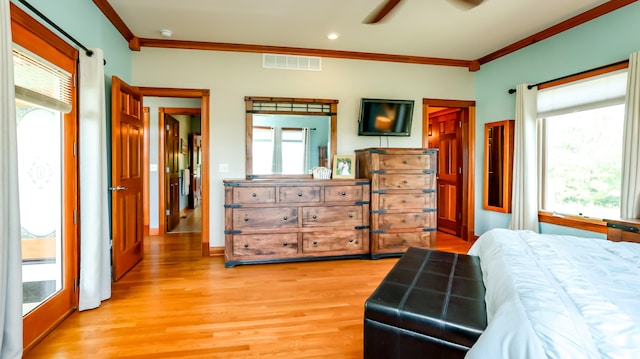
[118,188]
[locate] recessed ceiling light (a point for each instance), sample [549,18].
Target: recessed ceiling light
[333,36]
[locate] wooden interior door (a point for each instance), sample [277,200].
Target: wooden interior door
[445,134]
[127,151]
[195,156]
[172,172]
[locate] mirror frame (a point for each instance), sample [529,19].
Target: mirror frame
[506,150]
[288,106]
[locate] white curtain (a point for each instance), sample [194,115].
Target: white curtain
[95,259]
[276,167]
[306,144]
[10,237]
[630,194]
[524,205]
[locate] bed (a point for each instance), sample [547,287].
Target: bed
[558,296]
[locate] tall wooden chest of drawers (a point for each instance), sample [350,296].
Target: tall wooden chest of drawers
[403,198]
[295,220]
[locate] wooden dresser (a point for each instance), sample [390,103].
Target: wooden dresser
[403,198]
[623,230]
[295,220]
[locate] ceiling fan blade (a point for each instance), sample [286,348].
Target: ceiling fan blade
[381,11]
[466,4]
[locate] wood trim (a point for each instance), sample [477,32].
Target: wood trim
[115,19]
[352,55]
[577,20]
[37,38]
[173,92]
[206,165]
[216,251]
[182,111]
[468,149]
[145,174]
[161,172]
[204,131]
[585,75]
[586,224]
[289,99]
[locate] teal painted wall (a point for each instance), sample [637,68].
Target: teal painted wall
[602,41]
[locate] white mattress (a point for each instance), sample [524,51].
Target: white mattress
[558,296]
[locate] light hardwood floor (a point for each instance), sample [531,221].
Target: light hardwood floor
[177,304]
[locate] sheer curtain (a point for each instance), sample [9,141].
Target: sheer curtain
[95,258]
[10,243]
[277,151]
[524,205]
[630,194]
[306,144]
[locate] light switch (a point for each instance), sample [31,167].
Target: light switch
[223,168]
[153,167]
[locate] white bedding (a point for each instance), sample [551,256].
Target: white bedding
[558,296]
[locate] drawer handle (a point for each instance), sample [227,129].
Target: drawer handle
[406,162]
[299,194]
[315,243]
[285,218]
[246,219]
[285,244]
[253,195]
[351,240]
[315,217]
[344,193]
[404,200]
[405,220]
[246,245]
[350,215]
[406,182]
[404,240]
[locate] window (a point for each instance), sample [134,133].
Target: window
[580,128]
[279,150]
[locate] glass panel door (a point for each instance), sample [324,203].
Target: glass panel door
[40,181]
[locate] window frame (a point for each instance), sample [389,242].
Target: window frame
[574,221]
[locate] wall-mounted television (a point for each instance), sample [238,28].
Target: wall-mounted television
[380,117]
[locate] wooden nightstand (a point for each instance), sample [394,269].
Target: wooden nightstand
[623,230]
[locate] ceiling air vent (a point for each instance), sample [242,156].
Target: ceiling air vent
[290,62]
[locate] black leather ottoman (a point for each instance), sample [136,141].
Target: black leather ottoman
[430,305]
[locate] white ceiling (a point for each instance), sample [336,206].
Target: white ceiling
[430,28]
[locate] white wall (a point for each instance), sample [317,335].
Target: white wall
[232,76]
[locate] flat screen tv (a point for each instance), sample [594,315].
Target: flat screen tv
[385,117]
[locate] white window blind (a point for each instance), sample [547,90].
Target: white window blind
[41,83]
[600,91]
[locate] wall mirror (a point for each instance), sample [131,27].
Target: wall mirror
[287,137]
[498,165]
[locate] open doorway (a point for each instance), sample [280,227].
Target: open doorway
[180,154]
[449,126]
[191,107]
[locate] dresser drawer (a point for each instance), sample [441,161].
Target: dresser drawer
[407,220]
[402,241]
[265,244]
[334,216]
[254,195]
[343,193]
[299,194]
[407,200]
[328,241]
[406,162]
[406,181]
[263,218]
